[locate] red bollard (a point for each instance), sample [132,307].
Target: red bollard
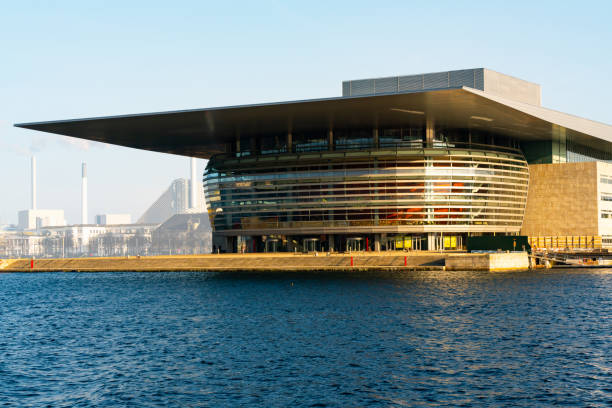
[31,264]
[405,261]
[351,261]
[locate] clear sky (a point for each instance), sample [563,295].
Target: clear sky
[71,59]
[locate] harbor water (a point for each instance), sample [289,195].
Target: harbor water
[387,339]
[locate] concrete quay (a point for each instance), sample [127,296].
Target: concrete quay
[278,262]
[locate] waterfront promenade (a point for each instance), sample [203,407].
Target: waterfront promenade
[289,262]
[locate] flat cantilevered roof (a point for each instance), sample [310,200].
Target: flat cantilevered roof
[203,132]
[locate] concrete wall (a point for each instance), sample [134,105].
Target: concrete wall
[563,199]
[510,261]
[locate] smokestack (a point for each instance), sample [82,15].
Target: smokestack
[194,194]
[84,193]
[33,186]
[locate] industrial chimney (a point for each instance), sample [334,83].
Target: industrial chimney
[33,185]
[84,193]
[194,195]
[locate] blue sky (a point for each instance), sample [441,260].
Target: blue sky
[70,59]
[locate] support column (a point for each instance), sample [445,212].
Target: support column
[330,147]
[431,241]
[290,150]
[377,242]
[375,137]
[330,238]
[376,217]
[193,185]
[430,131]
[429,190]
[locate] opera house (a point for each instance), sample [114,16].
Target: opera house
[406,162]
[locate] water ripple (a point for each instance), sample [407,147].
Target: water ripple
[416,339]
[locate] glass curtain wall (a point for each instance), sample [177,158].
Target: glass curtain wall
[463,188]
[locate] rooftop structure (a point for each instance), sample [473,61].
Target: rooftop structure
[113,219]
[482,79]
[418,161]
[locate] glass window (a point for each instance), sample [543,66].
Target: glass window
[310,142]
[404,137]
[353,139]
[273,144]
[244,147]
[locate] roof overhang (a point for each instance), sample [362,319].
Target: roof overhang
[203,132]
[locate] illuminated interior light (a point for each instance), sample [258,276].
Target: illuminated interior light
[408,111]
[481,118]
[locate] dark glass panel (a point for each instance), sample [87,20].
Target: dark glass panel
[353,139]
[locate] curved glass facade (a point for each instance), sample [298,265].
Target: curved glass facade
[400,186]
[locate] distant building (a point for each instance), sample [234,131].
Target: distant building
[183,234]
[19,244]
[97,240]
[175,200]
[113,219]
[35,219]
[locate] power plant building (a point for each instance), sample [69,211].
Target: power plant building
[35,218]
[417,161]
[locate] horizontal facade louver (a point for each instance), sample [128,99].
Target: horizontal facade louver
[479,78]
[464,77]
[436,80]
[472,78]
[410,83]
[385,85]
[346,88]
[362,87]
[470,190]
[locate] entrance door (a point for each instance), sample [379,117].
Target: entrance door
[310,244]
[416,242]
[354,244]
[272,245]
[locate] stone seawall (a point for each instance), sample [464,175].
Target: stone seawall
[395,261]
